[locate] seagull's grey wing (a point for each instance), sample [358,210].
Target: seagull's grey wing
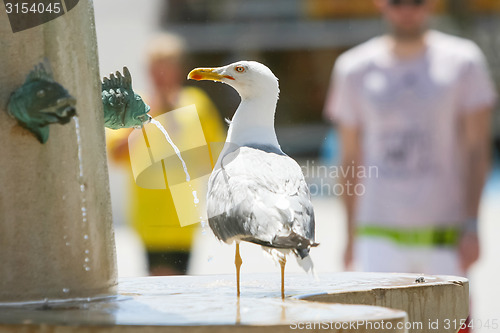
[261,197]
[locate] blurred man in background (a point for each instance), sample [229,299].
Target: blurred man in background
[416,104]
[152,212]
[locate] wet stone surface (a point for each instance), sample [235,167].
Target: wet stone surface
[211,300]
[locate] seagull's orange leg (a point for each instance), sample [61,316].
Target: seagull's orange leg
[238,262]
[282,264]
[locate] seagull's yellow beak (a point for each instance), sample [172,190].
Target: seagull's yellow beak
[210,74]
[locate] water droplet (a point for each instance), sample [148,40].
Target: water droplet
[87,268]
[67,243]
[195,195]
[84,219]
[65,290]
[85,236]
[203,227]
[82,188]
[87,251]
[65,236]
[87,259]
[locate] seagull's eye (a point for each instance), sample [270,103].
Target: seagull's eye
[240,69]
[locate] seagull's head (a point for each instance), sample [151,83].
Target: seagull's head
[250,78]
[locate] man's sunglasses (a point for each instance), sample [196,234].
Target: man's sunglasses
[407,2]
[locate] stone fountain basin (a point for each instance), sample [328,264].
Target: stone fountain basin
[209,304]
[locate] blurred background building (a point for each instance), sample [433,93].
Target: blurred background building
[300,40]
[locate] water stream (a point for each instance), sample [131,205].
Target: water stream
[86,266]
[178,153]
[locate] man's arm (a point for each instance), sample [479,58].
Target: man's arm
[477,135]
[350,158]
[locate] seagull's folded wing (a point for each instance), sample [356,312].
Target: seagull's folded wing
[261,197]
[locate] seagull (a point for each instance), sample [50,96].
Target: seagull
[256,193]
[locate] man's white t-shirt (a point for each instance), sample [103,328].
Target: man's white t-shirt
[408,112]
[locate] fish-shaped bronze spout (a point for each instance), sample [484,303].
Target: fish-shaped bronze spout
[41,101]
[122,106]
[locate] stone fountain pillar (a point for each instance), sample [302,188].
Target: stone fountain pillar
[56,236]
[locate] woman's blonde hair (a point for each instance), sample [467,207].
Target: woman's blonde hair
[165,46]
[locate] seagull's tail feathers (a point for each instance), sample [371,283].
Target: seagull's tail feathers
[307,264]
[303,258]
